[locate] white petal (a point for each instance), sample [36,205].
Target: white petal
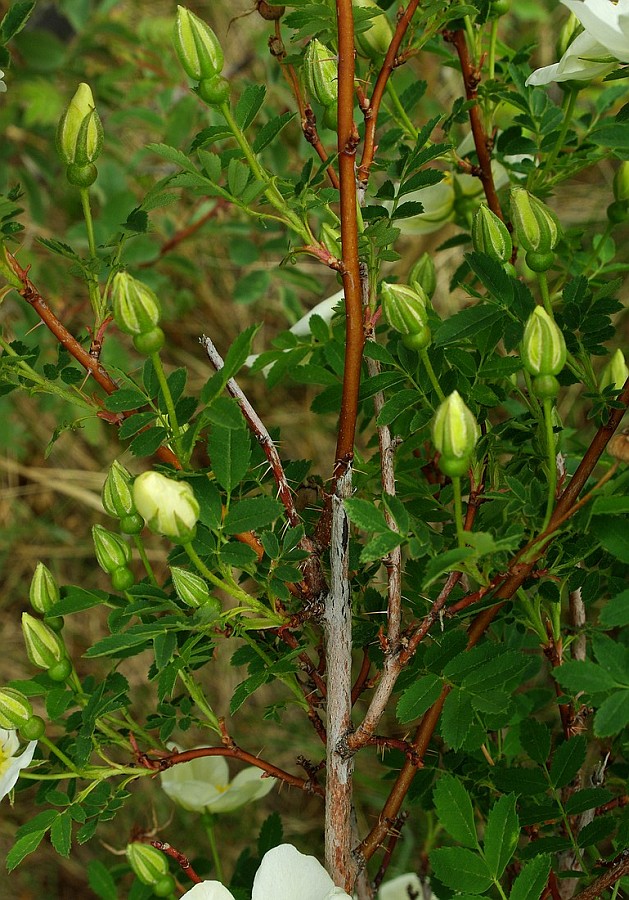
[12,767]
[197,784]
[247,786]
[398,888]
[208,890]
[600,18]
[287,874]
[574,64]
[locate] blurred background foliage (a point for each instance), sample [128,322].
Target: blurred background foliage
[215,273]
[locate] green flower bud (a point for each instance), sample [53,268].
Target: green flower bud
[149,864]
[543,348]
[454,434]
[44,591]
[404,308]
[196,45]
[80,133]
[621,182]
[331,240]
[536,226]
[82,176]
[33,729]
[615,372]
[168,506]
[15,709]
[44,648]
[424,275]
[375,40]
[191,589]
[118,499]
[136,308]
[122,579]
[490,235]
[112,552]
[150,342]
[546,387]
[320,73]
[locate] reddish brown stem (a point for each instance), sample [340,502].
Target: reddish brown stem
[371,112]
[618,869]
[181,860]
[347,142]
[363,675]
[471,79]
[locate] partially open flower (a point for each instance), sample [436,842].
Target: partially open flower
[203,785]
[10,764]
[602,45]
[168,506]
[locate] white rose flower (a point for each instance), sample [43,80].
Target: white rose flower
[603,43]
[203,785]
[284,874]
[10,764]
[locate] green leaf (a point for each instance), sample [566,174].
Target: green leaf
[446,562]
[520,780]
[588,798]
[615,613]
[501,835]
[224,411]
[245,689]
[604,506]
[567,760]
[396,405]
[270,131]
[455,811]
[237,177]
[457,717]
[493,276]
[271,833]
[535,740]
[26,844]
[251,514]
[583,675]
[230,454]
[77,599]
[100,880]
[249,104]
[530,883]
[15,19]
[174,156]
[238,353]
[365,515]
[380,545]
[613,533]
[613,715]
[467,323]
[461,869]
[61,834]
[164,646]
[148,442]
[419,697]
[398,511]
[124,400]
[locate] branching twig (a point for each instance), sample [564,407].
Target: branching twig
[181,860]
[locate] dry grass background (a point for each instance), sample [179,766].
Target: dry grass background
[48,505]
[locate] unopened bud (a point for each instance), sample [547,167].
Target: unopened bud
[567,34]
[424,275]
[490,235]
[191,589]
[543,348]
[15,709]
[619,209]
[148,863]
[44,648]
[112,552]
[320,74]
[454,433]
[374,41]
[168,506]
[537,229]
[44,590]
[118,499]
[80,137]
[404,308]
[615,372]
[137,311]
[196,45]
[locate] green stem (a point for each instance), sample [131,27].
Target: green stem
[431,374]
[567,106]
[208,822]
[197,695]
[92,283]
[491,56]
[59,754]
[458,510]
[139,545]
[401,112]
[170,406]
[552,464]
[542,280]
[272,194]
[232,589]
